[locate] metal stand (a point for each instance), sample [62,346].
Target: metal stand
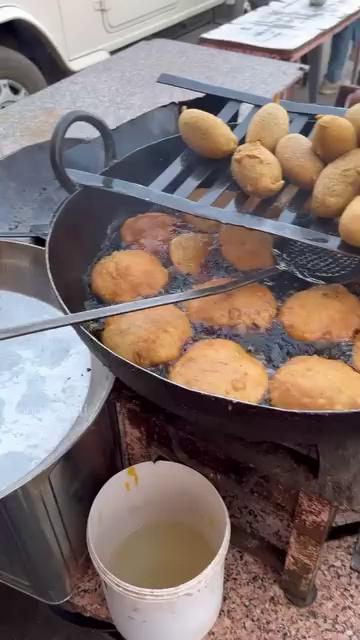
[256,480]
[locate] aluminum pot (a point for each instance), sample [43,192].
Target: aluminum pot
[43,512]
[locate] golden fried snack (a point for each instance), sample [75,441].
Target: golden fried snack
[188,251]
[356,352]
[349,224]
[298,161]
[250,307]
[256,170]
[125,275]
[268,125]
[149,337]
[312,383]
[246,249]
[223,368]
[206,134]
[151,230]
[353,115]
[202,224]
[333,136]
[337,185]
[326,312]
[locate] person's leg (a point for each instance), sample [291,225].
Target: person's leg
[256,4]
[356,33]
[339,52]
[356,53]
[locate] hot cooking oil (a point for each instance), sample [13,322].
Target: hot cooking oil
[161,555]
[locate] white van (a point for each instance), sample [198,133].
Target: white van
[42,40]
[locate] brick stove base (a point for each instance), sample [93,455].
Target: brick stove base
[271,491]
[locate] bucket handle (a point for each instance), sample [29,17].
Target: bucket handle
[57,145]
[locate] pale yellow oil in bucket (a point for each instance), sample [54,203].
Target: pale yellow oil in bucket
[161,555]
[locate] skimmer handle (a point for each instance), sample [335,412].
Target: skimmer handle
[135,305]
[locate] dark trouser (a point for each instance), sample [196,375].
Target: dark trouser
[340,49]
[255,4]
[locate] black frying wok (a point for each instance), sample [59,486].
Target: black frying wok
[78,232]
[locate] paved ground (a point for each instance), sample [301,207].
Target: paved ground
[254,606]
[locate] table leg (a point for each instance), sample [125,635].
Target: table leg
[356,67]
[315,60]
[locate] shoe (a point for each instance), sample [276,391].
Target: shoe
[328,88]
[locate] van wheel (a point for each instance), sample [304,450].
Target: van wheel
[18,77]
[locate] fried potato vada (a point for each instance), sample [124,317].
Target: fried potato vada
[298,161]
[223,368]
[326,312]
[269,124]
[313,383]
[149,337]
[202,224]
[256,170]
[353,115]
[151,230]
[336,186]
[206,134]
[125,275]
[333,136]
[246,249]
[188,251]
[249,307]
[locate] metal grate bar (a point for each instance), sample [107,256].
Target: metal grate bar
[282,202]
[240,96]
[172,171]
[205,169]
[213,193]
[225,216]
[282,215]
[298,123]
[194,181]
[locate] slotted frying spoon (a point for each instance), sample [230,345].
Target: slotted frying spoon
[306,262]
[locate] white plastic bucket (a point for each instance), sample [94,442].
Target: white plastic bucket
[140,495]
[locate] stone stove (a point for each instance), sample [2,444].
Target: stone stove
[281,507]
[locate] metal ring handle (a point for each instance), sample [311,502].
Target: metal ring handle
[57,145]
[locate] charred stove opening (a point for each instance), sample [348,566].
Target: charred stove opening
[343,530]
[160,458]
[305,456]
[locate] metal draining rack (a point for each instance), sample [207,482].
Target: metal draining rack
[286,214]
[287,208]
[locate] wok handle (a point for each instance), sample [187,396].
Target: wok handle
[57,145]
